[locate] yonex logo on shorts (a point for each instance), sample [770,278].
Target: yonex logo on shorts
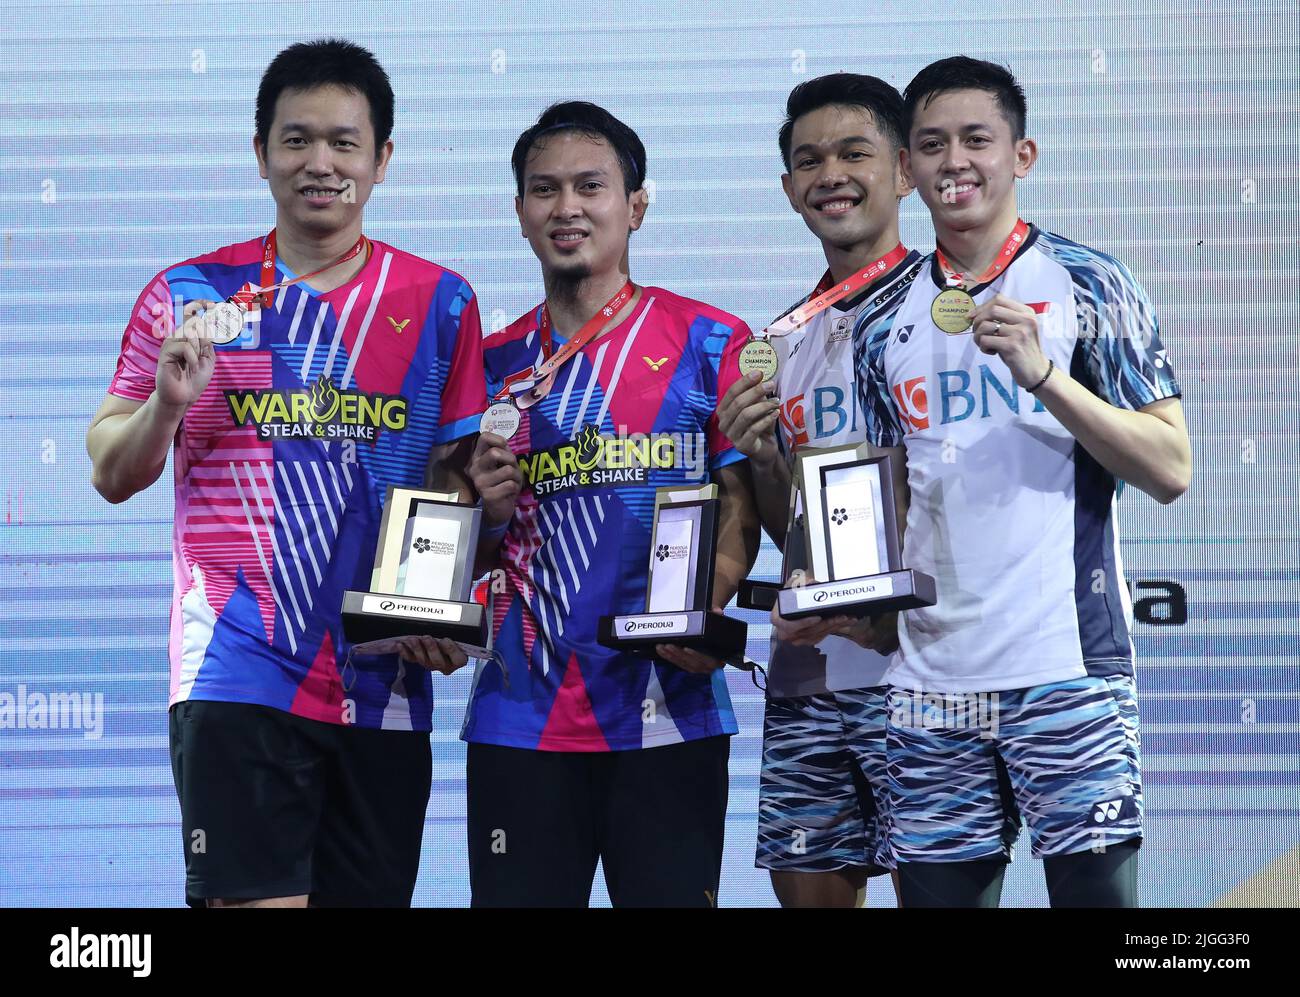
[1107,811]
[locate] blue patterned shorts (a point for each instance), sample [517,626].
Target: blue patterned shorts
[822,800]
[963,769]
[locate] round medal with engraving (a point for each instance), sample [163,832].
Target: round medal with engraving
[951,310]
[500,419]
[223,323]
[758,355]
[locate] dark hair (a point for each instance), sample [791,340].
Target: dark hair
[961,72]
[587,119]
[850,90]
[328,62]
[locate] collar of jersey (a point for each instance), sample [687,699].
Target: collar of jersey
[558,339]
[936,274]
[286,274]
[848,304]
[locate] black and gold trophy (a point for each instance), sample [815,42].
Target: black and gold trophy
[423,575]
[848,530]
[679,593]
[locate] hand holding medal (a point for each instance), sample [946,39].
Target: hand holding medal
[494,472]
[186,359]
[1008,329]
[747,416]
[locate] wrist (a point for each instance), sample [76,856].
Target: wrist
[1033,389]
[767,461]
[166,412]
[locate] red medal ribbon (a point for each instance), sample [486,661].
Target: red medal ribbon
[824,295]
[264,296]
[531,385]
[1008,251]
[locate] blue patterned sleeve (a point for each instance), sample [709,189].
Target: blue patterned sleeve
[1124,357]
[879,415]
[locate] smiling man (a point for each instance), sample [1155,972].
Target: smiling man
[303,774]
[823,801]
[579,754]
[1025,377]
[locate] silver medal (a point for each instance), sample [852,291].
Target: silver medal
[223,323]
[500,419]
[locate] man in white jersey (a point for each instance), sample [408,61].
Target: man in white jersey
[1025,377]
[822,799]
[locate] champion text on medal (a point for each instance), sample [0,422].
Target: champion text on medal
[951,310]
[758,355]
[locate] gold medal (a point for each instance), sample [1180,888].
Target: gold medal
[951,310]
[758,355]
[223,323]
[500,419]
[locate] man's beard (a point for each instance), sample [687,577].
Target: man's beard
[566,281]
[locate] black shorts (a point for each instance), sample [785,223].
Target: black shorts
[655,818]
[276,805]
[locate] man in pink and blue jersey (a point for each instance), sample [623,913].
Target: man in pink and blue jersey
[580,753]
[304,770]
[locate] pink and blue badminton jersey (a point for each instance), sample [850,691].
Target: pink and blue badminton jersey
[633,411]
[282,465]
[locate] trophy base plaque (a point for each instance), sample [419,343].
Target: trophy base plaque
[373,616]
[706,632]
[870,595]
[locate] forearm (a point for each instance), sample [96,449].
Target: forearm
[129,452]
[446,473]
[732,566]
[771,484]
[738,534]
[1138,447]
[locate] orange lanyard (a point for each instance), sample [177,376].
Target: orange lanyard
[530,385]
